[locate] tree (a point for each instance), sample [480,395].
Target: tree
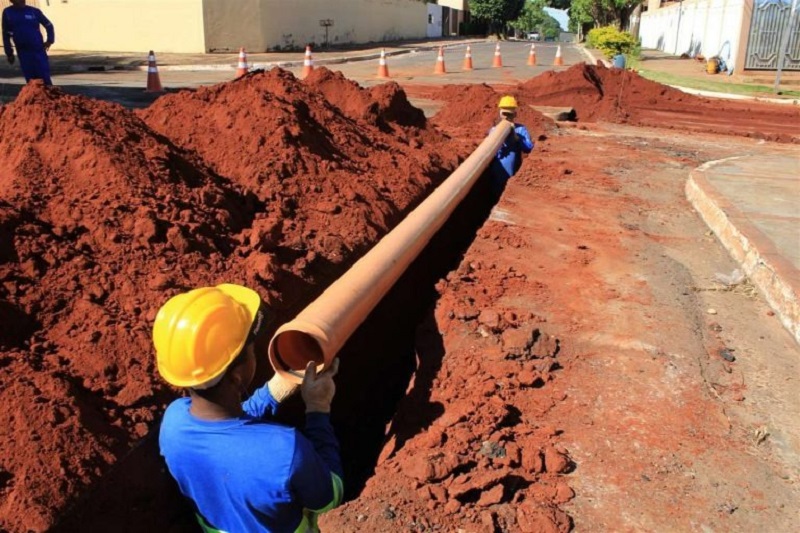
[498,13]
[535,18]
[585,14]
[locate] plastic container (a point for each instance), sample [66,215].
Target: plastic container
[618,61]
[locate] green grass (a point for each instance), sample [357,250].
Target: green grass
[709,85]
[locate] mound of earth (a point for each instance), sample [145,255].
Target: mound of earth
[98,216]
[333,175]
[615,95]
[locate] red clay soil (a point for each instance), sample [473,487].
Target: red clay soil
[615,95]
[102,219]
[354,168]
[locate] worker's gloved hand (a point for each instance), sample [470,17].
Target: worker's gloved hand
[10,59]
[318,389]
[281,388]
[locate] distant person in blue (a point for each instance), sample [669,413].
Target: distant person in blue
[509,157]
[242,471]
[21,24]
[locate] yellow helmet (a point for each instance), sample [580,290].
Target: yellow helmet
[197,334]
[507,102]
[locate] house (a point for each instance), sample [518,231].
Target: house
[746,34]
[197,26]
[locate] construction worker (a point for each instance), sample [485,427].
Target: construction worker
[242,472]
[509,157]
[21,23]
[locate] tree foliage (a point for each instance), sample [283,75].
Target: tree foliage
[498,13]
[535,18]
[597,13]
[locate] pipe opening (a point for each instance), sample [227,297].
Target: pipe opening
[293,350]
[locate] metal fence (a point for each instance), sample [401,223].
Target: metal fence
[769,31]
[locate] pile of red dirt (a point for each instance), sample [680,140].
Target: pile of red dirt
[102,218]
[357,161]
[616,95]
[99,216]
[472,110]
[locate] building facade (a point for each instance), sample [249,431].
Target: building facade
[197,26]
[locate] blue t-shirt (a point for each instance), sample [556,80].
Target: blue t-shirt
[22,25]
[248,474]
[509,157]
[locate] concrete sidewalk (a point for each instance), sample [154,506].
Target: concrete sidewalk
[752,204]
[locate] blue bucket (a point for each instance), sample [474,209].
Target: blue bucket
[618,61]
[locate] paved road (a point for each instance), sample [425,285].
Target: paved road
[126,87]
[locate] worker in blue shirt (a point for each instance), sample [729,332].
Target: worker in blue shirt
[21,24]
[509,157]
[241,471]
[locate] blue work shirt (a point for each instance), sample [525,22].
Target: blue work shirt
[509,157]
[22,25]
[249,474]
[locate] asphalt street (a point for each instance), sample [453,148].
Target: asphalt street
[416,67]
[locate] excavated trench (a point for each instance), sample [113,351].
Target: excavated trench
[378,364]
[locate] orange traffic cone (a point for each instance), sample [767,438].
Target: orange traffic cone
[532,56]
[383,70]
[242,68]
[468,59]
[153,80]
[498,60]
[308,62]
[558,61]
[440,63]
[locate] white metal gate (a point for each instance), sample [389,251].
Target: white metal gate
[771,20]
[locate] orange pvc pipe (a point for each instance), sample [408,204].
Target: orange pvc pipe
[322,328]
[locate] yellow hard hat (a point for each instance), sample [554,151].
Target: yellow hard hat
[197,334]
[507,102]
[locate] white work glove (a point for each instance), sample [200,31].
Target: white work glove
[281,388]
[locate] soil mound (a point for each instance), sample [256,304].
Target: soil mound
[383,105]
[599,93]
[333,175]
[98,215]
[472,110]
[615,95]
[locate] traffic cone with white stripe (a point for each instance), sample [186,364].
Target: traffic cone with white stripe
[383,70]
[308,62]
[468,59]
[558,61]
[498,59]
[153,80]
[242,67]
[532,56]
[440,63]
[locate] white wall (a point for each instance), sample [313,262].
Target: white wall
[292,23]
[707,27]
[434,21]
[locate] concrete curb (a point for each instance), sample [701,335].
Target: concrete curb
[775,277]
[270,64]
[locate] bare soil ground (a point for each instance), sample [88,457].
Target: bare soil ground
[595,245]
